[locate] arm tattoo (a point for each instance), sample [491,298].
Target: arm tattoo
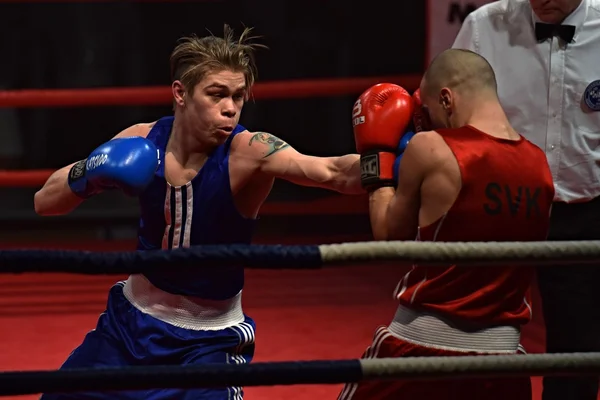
[273,142]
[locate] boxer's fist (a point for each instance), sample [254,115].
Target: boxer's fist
[128,164]
[380,118]
[421,119]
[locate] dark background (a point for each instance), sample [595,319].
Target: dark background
[107,44]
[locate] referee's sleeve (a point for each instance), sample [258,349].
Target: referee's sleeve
[467,37]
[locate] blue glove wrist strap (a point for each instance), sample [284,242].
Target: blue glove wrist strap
[77,181]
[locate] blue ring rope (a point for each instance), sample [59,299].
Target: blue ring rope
[300,257]
[184,377]
[296,372]
[182,259]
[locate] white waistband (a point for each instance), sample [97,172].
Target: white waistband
[183,311]
[431,331]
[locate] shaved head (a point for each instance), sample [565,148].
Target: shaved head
[460,71]
[456,85]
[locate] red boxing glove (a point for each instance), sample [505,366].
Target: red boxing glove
[421,119]
[380,118]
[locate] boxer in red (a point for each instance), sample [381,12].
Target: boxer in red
[473,178]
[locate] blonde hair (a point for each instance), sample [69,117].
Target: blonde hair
[194,57]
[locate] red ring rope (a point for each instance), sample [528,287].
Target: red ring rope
[24,179]
[161,95]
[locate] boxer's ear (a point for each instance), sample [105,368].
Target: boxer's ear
[178,93]
[446,99]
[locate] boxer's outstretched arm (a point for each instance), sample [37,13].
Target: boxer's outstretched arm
[395,214]
[279,160]
[56,198]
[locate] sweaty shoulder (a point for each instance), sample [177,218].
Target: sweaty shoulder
[257,145]
[142,129]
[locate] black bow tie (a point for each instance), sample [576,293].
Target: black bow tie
[545,31]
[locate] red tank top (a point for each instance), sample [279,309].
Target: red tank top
[506,195]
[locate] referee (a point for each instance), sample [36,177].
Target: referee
[546,56]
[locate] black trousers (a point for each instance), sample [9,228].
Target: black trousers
[571,300]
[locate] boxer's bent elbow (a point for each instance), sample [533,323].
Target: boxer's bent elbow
[50,203]
[40,207]
[44,205]
[55,198]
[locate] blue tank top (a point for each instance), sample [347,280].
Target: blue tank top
[200,212]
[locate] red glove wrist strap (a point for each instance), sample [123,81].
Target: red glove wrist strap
[377,169]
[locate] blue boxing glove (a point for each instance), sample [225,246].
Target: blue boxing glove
[128,164]
[401,147]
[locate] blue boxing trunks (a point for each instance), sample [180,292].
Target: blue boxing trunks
[144,326]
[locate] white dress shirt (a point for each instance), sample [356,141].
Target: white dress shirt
[542,86]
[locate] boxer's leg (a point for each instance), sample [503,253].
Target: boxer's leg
[233,345]
[104,346]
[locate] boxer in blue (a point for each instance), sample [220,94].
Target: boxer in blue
[201,178]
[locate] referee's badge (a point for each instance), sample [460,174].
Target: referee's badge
[591,96]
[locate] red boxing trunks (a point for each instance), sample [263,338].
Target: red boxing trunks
[387,345]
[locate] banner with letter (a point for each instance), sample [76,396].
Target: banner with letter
[444,19]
